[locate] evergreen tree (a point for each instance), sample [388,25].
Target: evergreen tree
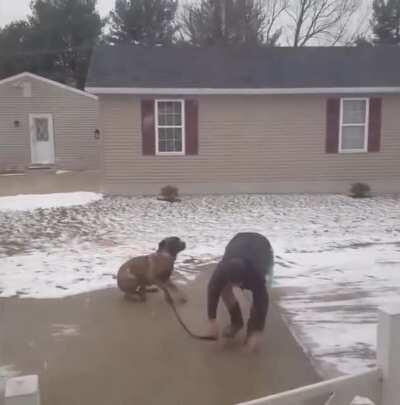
[386,22]
[143,22]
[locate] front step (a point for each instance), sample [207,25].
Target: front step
[38,167]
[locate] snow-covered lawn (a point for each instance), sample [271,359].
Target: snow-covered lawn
[332,300]
[337,258]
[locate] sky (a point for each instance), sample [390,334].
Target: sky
[11,10]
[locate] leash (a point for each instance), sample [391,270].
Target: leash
[179,319]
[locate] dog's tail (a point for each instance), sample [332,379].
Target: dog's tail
[179,319]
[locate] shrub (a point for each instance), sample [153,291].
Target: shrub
[169,193]
[360,190]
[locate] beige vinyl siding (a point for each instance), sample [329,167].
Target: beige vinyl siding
[74,118]
[246,143]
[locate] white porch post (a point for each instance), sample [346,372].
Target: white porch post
[388,353]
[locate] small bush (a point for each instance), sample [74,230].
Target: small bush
[169,193]
[360,190]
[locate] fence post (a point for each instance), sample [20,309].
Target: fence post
[388,353]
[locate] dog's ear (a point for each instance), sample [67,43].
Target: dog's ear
[162,245]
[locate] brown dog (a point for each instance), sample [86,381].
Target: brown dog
[138,273]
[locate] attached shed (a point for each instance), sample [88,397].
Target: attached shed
[45,124]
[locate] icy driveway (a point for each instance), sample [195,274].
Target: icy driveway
[340,254]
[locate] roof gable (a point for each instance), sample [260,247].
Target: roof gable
[28,75]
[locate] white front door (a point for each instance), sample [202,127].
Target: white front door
[42,138]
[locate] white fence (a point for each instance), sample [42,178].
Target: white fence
[381,385]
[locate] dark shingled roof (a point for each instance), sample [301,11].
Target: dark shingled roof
[244,68]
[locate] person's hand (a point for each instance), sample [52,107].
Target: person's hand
[213,330]
[253,342]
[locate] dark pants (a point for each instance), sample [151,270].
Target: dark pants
[235,312]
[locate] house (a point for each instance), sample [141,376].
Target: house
[248,119]
[45,124]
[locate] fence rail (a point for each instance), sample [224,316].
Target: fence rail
[343,389]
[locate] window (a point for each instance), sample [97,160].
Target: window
[41,126]
[354,125]
[170,127]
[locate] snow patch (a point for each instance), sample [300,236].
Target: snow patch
[362,401]
[63,330]
[6,371]
[331,300]
[29,202]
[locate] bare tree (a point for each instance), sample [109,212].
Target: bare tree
[274,11]
[320,20]
[361,29]
[233,22]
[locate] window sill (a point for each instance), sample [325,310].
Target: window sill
[352,151]
[170,154]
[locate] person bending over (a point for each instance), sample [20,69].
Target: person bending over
[247,260]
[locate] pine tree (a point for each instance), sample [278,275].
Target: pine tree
[228,22]
[143,22]
[386,22]
[65,32]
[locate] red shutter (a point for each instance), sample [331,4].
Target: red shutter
[332,125]
[192,127]
[148,128]
[375,125]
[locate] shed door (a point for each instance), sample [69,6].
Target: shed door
[42,138]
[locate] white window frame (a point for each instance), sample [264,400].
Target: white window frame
[182,126]
[366,126]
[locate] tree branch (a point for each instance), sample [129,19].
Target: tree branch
[326,20]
